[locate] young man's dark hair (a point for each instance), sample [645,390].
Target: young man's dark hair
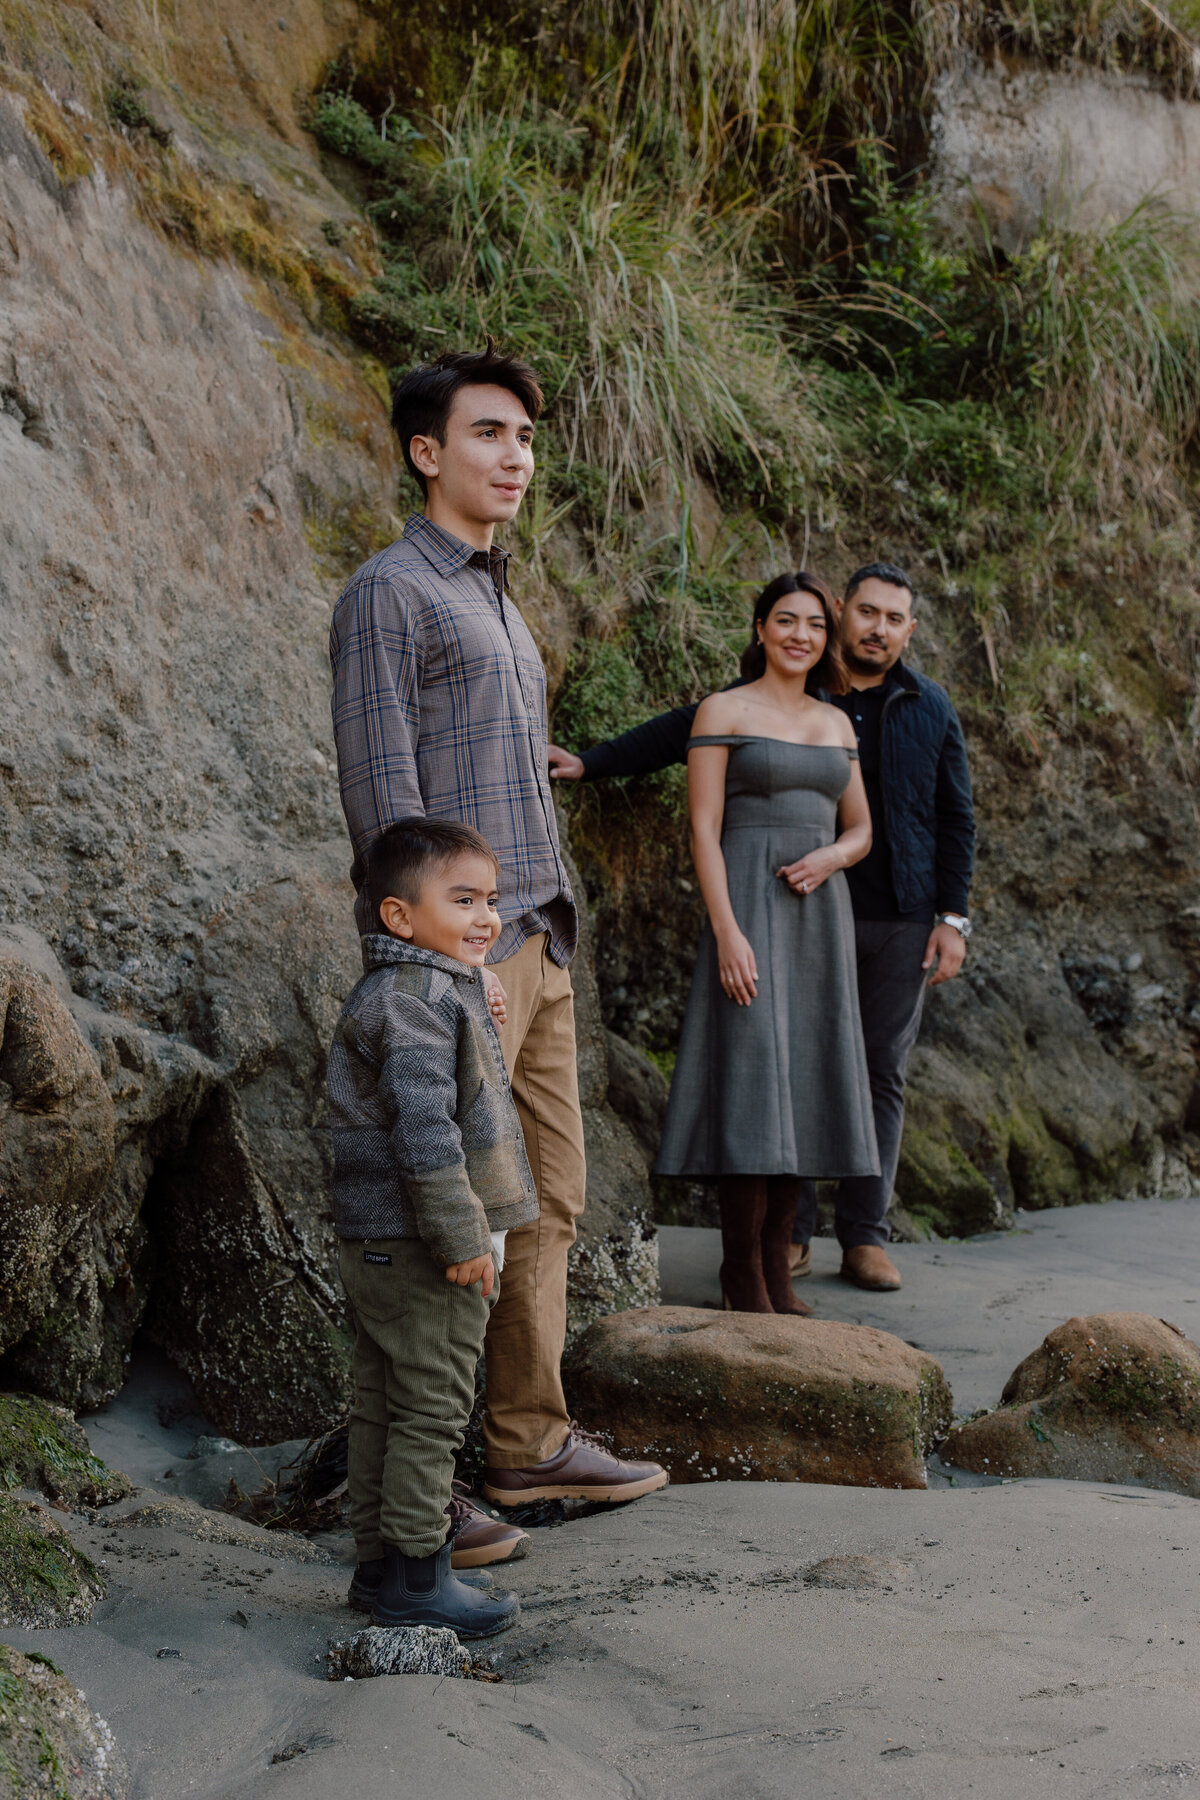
[879,571]
[421,402]
[401,857]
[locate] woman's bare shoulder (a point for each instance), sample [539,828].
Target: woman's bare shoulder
[717,715]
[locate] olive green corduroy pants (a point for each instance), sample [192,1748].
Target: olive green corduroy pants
[417,1339]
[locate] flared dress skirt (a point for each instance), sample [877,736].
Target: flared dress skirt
[778,1087]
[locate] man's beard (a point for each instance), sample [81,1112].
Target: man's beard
[868,665]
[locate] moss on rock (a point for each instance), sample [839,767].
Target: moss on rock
[51,1743]
[44,1580]
[42,1447]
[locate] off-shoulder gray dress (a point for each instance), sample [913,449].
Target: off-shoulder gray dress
[778,1087]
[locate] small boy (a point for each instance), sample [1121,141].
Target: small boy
[430,1172]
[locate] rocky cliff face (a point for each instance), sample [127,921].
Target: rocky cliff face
[193,456]
[192,460]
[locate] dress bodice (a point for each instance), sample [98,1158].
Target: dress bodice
[773,784]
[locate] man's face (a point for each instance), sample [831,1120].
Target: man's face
[875,625]
[486,462]
[456,913]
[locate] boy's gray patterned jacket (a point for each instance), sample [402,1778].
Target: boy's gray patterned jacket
[426,1140]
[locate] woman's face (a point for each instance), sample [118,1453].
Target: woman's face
[793,634]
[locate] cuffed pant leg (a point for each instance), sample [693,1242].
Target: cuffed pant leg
[891,994]
[527,1418]
[427,1334]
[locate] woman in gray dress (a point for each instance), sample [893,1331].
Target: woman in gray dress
[771,1081]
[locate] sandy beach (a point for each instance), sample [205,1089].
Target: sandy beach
[999,1638]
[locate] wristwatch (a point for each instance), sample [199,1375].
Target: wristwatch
[961,925]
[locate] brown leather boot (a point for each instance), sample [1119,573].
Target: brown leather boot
[584,1469]
[869,1266]
[776,1246]
[476,1537]
[743,1202]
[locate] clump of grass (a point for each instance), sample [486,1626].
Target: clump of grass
[125,100]
[219,218]
[1161,39]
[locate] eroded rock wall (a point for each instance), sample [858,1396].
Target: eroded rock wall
[192,460]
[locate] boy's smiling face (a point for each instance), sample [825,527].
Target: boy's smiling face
[456,913]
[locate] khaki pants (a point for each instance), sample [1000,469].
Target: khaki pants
[417,1339]
[527,1418]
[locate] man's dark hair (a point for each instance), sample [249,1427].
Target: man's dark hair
[421,402]
[403,857]
[829,673]
[880,571]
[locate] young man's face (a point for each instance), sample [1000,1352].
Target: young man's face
[482,470]
[875,625]
[456,913]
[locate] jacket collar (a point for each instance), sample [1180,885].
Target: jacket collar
[447,553]
[378,950]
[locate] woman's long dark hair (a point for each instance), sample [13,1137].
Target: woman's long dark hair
[830,672]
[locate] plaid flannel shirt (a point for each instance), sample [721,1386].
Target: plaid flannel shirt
[439,708]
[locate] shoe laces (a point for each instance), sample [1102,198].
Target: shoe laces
[593,1440]
[461,1505]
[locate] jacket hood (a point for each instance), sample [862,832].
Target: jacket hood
[379,950]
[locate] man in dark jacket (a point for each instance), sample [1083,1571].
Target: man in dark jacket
[909,893]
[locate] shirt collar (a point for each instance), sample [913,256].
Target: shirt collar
[447,553]
[379,949]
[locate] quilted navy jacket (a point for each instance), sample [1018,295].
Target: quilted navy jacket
[925,780]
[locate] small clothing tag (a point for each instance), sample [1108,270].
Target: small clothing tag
[377,1256]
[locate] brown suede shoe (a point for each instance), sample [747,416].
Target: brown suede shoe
[800,1261]
[870,1266]
[478,1538]
[584,1469]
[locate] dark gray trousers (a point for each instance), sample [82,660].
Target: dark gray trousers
[891,993]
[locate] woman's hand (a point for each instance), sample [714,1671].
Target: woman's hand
[805,876]
[739,971]
[496,997]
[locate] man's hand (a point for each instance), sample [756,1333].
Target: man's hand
[805,876]
[480,1268]
[947,946]
[496,997]
[564,766]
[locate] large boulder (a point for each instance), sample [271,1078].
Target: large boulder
[44,1580]
[1113,1397]
[753,1397]
[56,1141]
[51,1742]
[82,1315]
[42,1447]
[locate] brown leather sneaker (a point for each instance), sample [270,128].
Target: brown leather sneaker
[800,1261]
[477,1537]
[584,1469]
[870,1266]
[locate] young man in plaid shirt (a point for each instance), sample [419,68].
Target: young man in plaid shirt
[439,708]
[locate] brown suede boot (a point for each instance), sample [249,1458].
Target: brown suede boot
[743,1202]
[869,1266]
[777,1245]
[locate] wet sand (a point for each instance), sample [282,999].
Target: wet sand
[1031,1638]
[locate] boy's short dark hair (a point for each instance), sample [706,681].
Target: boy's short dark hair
[421,402]
[880,571]
[403,857]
